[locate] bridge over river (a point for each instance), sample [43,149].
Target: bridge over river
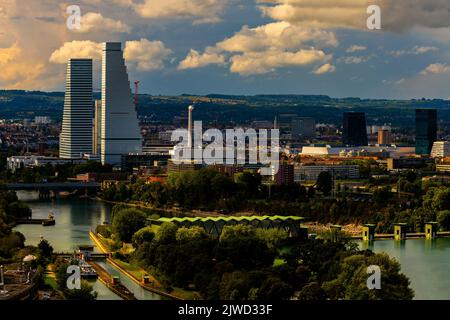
[45,188]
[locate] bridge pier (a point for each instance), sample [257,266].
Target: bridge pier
[431,230]
[368,232]
[44,195]
[400,231]
[48,189]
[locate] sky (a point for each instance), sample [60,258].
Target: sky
[236,46]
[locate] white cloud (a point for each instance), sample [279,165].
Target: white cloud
[353,59]
[281,35]
[414,51]
[396,15]
[146,55]
[196,60]
[96,22]
[199,11]
[436,68]
[76,49]
[326,68]
[17,74]
[266,48]
[267,61]
[323,14]
[355,48]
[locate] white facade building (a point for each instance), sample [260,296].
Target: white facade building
[18,162]
[388,151]
[120,133]
[440,149]
[76,134]
[42,120]
[311,173]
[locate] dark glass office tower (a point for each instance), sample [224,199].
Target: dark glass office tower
[355,132]
[426,130]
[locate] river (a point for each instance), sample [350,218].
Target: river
[425,262]
[74,218]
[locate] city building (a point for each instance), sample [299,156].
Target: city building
[445,168]
[406,163]
[173,167]
[76,133]
[102,176]
[18,162]
[285,175]
[96,128]
[354,129]
[120,132]
[426,130]
[42,120]
[155,149]
[133,161]
[165,136]
[311,173]
[384,137]
[303,128]
[441,149]
[380,151]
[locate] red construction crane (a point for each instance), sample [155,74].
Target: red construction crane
[136,92]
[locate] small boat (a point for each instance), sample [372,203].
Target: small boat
[87,271]
[50,221]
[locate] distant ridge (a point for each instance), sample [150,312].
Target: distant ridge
[234,109]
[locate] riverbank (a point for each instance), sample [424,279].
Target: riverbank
[132,274]
[313,227]
[172,211]
[111,283]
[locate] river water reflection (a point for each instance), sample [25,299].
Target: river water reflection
[74,218]
[425,262]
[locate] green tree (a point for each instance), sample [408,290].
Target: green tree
[45,249]
[18,210]
[166,233]
[441,199]
[312,291]
[240,245]
[353,278]
[249,183]
[443,218]
[143,235]
[127,222]
[273,237]
[190,234]
[11,243]
[85,293]
[324,183]
[382,195]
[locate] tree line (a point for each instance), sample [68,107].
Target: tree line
[247,263]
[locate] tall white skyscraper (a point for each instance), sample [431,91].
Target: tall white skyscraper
[120,128]
[76,133]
